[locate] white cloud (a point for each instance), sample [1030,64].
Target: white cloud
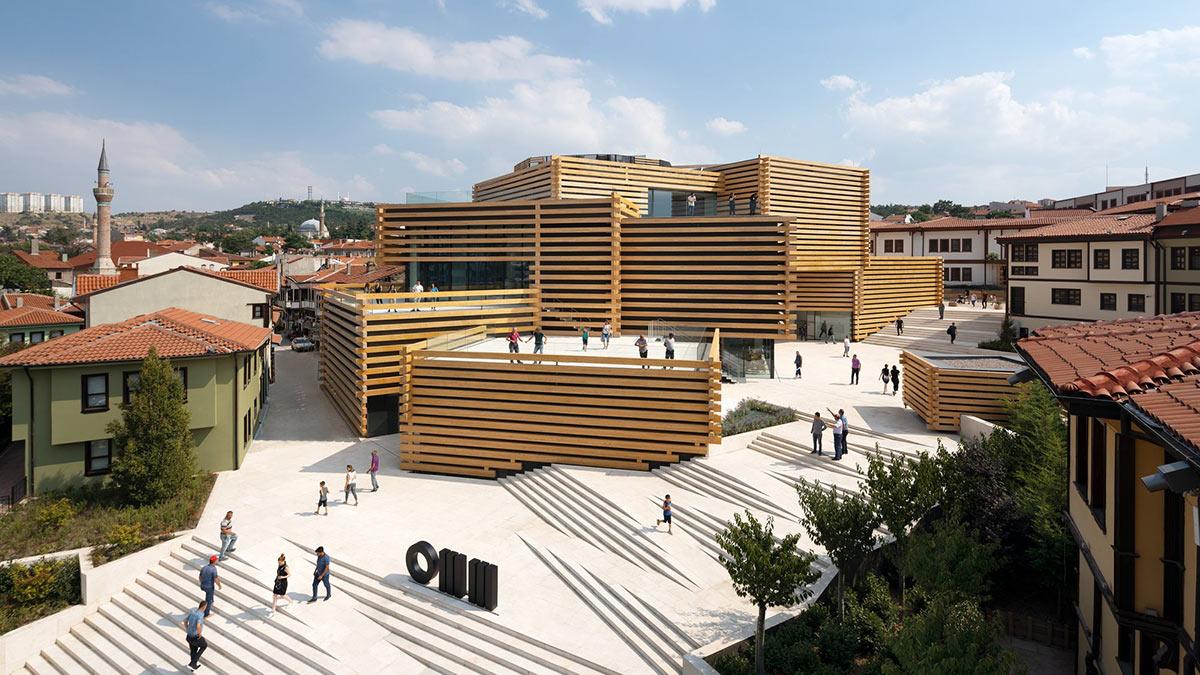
[33,85]
[1156,52]
[433,165]
[529,7]
[968,136]
[724,127]
[602,10]
[549,117]
[503,58]
[1084,53]
[291,6]
[257,11]
[383,149]
[840,83]
[234,14]
[154,165]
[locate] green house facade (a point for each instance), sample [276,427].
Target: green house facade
[62,407]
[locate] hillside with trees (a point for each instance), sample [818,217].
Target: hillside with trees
[269,218]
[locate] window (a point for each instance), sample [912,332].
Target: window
[1178,258]
[1024,271]
[37,336]
[1016,301]
[1064,296]
[955,245]
[955,274]
[1137,302]
[245,370]
[1100,258]
[899,246]
[181,373]
[131,381]
[95,393]
[1081,455]
[966,245]
[58,275]
[246,428]
[1178,302]
[1194,257]
[16,338]
[1193,302]
[934,246]
[1066,258]
[1108,301]
[97,457]
[256,311]
[1130,259]
[966,272]
[1098,483]
[1025,253]
[55,333]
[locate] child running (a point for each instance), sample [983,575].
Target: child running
[666,509]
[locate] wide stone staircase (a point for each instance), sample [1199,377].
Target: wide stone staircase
[925,332]
[138,631]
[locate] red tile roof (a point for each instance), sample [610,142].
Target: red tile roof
[1177,407]
[10,300]
[1148,205]
[948,223]
[34,316]
[1138,226]
[45,260]
[173,332]
[1059,213]
[1190,216]
[266,278]
[90,283]
[120,249]
[107,283]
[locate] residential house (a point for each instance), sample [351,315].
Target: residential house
[31,324]
[54,265]
[1131,390]
[66,391]
[167,261]
[233,295]
[963,244]
[1131,194]
[301,293]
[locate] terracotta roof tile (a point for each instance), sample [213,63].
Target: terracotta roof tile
[9,300]
[938,224]
[173,332]
[120,249]
[44,260]
[1177,407]
[266,278]
[34,316]
[1135,226]
[90,283]
[1148,205]
[1189,216]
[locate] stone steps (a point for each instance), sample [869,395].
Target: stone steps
[699,477]
[925,332]
[449,635]
[601,523]
[655,639]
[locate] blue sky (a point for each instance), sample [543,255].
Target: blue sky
[208,105]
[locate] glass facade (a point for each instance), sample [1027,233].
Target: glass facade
[747,358]
[469,276]
[673,203]
[822,326]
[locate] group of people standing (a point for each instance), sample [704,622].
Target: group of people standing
[539,342]
[841,429]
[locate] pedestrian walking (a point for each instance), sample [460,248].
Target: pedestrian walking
[228,538]
[942,310]
[374,470]
[691,204]
[606,334]
[799,361]
[583,335]
[895,380]
[514,343]
[322,499]
[539,340]
[899,326]
[321,574]
[643,347]
[818,433]
[972,301]
[666,509]
[753,203]
[279,591]
[193,624]
[886,376]
[838,425]
[351,485]
[855,367]
[210,581]
[669,346]
[952,331]
[846,347]
[733,204]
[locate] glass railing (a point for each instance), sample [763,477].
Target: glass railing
[443,197]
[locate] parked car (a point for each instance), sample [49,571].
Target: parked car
[303,344]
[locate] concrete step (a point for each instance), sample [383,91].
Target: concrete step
[81,654]
[113,657]
[421,607]
[164,627]
[166,652]
[699,477]
[38,665]
[62,661]
[656,657]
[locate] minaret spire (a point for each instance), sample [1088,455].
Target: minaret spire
[322,231]
[103,193]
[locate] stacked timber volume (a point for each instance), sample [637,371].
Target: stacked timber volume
[1132,391]
[943,388]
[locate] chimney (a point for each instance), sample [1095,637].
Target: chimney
[57,302]
[64,257]
[20,302]
[33,245]
[1160,212]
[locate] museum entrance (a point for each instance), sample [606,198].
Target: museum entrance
[822,326]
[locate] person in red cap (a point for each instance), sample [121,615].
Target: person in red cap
[209,582]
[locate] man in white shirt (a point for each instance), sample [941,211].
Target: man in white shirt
[846,347]
[838,426]
[417,288]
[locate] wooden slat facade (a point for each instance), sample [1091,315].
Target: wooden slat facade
[482,415]
[714,271]
[365,336]
[941,395]
[893,286]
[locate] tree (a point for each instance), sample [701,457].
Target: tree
[295,240]
[948,638]
[154,458]
[948,560]
[902,491]
[16,275]
[842,522]
[237,242]
[772,573]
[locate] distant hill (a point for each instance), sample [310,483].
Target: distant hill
[270,217]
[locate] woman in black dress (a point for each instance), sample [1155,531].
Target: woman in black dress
[281,581]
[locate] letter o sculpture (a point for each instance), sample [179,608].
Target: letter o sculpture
[427,551]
